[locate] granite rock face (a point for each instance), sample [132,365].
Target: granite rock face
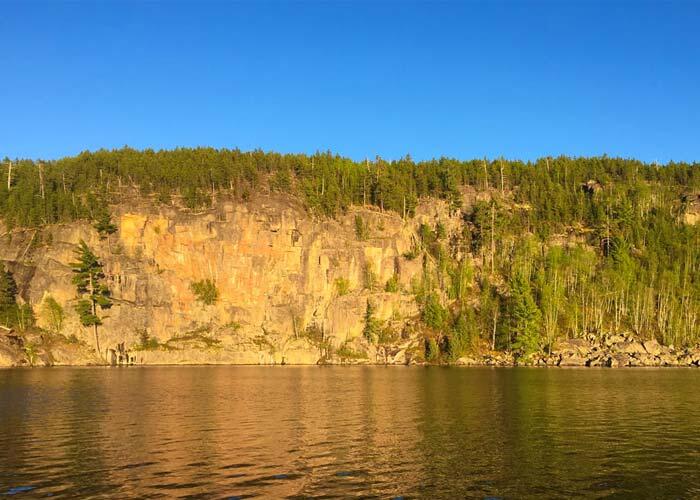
[280,273]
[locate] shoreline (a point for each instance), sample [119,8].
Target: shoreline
[347,365]
[622,350]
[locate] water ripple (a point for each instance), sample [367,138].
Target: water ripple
[373,432]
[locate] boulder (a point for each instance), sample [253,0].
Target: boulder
[629,347]
[572,360]
[694,355]
[647,360]
[619,359]
[553,360]
[685,360]
[668,359]
[633,361]
[467,361]
[615,338]
[6,359]
[598,361]
[399,358]
[573,346]
[652,347]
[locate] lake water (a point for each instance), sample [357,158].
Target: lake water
[221,432]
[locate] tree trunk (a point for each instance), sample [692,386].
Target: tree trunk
[97,341]
[493,244]
[493,331]
[501,168]
[94,313]
[41,181]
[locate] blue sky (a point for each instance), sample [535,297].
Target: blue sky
[461,79]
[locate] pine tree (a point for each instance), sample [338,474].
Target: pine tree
[104,225]
[371,326]
[89,281]
[105,228]
[524,315]
[8,297]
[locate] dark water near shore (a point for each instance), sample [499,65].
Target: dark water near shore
[218,432]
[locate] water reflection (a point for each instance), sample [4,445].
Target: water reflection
[349,431]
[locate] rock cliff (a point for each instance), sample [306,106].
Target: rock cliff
[292,288]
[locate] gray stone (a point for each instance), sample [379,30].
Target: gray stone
[652,347]
[572,360]
[630,347]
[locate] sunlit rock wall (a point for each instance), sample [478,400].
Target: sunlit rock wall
[275,267]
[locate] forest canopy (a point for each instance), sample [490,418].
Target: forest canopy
[78,187]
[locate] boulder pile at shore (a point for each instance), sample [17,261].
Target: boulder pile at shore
[621,350]
[614,350]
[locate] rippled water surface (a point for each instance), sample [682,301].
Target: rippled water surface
[220,432]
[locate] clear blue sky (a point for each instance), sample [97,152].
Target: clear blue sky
[462,79]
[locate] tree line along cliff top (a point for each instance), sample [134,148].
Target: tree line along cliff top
[556,189]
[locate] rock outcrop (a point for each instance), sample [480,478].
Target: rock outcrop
[292,288]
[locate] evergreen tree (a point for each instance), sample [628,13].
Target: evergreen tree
[525,317]
[434,315]
[89,279]
[371,328]
[8,297]
[104,225]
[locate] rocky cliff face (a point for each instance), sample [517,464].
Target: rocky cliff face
[292,287]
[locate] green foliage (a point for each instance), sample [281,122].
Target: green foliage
[195,198]
[89,280]
[199,338]
[386,335]
[461,281]
[432,350]
[75,186]
[426,235]
[489,312]
[440,231]
[372,326]
[8,297]
[31,351]
[103,224]
[460,338]
[72,339]
[525,317]
[314,334]
[413,252]
[342,286]
[281,181]
[392,284]
[346,352]
[434,315]
[53,314]
[25,317]
[369,277]
[205,291]
[146,342]
[361,228]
